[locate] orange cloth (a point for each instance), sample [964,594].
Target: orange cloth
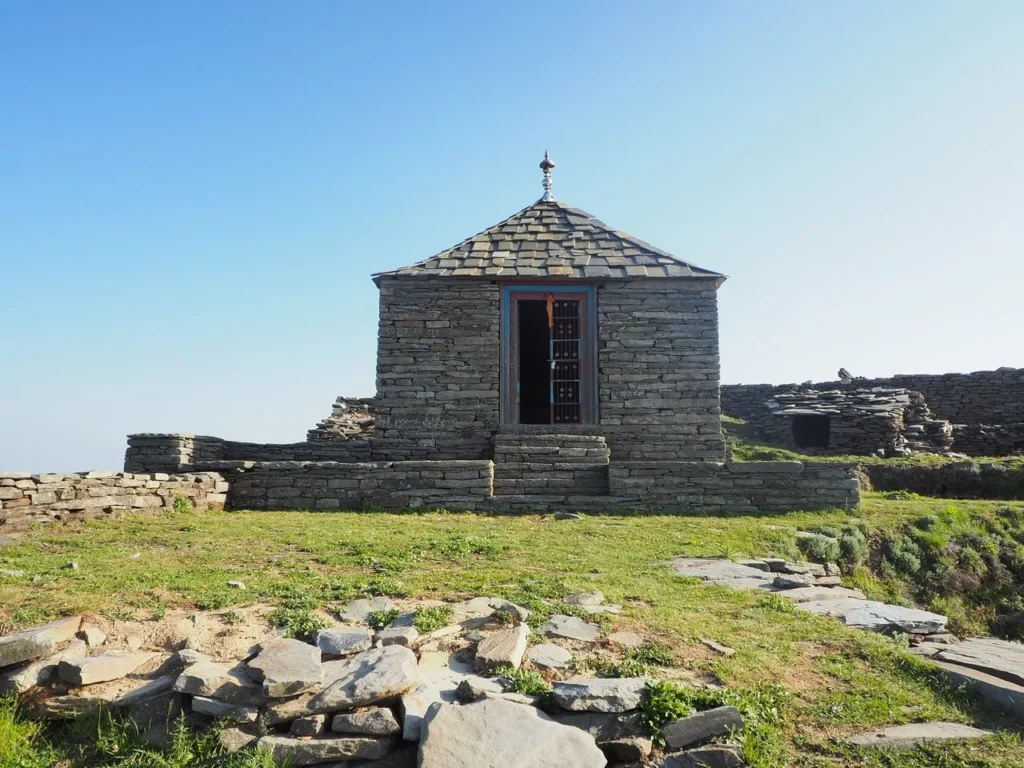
[551,311]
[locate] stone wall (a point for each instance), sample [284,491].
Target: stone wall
[658,370]
[983,397]
[350,417]
[26,498]
[161,452]
[437,369]
[952,480]
[988,439]
[463,485]
[762,486]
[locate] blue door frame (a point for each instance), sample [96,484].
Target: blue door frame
[510,295]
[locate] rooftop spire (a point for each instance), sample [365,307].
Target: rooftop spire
[546,165]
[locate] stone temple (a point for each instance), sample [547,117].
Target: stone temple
[548,362]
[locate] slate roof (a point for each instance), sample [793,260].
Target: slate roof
[552,239]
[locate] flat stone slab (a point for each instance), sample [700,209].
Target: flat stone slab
[287,667]
[915,735]
[502,648]
[495,732]
[548,656]
[323,749]
[377,721]
[877,617]
[216,681]
[478,611]
[37,642]
[1000,658]
[707,757]
[398,636]
[819,594]
[343,641]
[995,690]
[222,710]
[19,678]
[571,628]
[626,639]
[367,678]
[357,611]
[604,726]
[701,727]
[313,725]
[441,678]
[600,694]
[282,710]
[723,573]
[100,669]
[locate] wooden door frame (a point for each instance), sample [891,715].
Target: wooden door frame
[511,295]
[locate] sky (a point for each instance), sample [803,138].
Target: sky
[193,195]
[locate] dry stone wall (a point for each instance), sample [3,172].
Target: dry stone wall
[761,486]
[152,452]
[658,370]
[437,369]
[26,498]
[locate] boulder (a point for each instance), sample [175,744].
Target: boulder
[548,656]
[343,641]
[282,710]
[222,710]
[217,681]
[287,667]
[313,725]
[701,727]
[502,648]
[293,751]
[571,628]
[19,678]
[1000,658]
[494,732]
[792,580]
[439,677]
[398,636]
[707,757]
[600,694]
[878,617]
[628,750]
[100,669]
[37,642]
[916,734]
[377,721]
[478,611]
[357,611]
[93,636]
[236,737]
[476,689]
[367,678]
[604,726]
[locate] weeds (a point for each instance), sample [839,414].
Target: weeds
[380,619]
[432,619]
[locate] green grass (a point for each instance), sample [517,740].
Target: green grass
[837,681]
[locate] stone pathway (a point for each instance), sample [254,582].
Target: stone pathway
[992,669]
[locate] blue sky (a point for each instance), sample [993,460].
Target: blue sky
[193,194]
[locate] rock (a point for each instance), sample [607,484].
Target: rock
[828,581]
[404,756]
[282,710]
[813,569]
[238,737]
[502,648]
[568,516]
[877,617]
[1000,658]
[72,565]
[916,734]
[570,627]
[133,643]
[313,725]
[19,678]
[628,750]
[37,642]
[758,565]
[701,727]
[219,682]
[724,650]
[236,584]
[151,703]
[368,678]
[816,593]
[599,694]
[440,676]
[222,710]
[287,667]
[93,636]
[11,574]
[548,656]
[518,698]
[357,611]
[478,611]
[397,636]
[792,581]
[494,732]
[100,669]
[586,599]
[722,572]
[996,691]
[321,750]
[377,721]
[707,757]
[186,657]
[70,707]
[626,639]
[476,689]
[343,641]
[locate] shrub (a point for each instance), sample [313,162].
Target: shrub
[297,622]
[431,619]
[380,619]
[524,681]
[181,504]
[902,554]
[820,549]
[853,547]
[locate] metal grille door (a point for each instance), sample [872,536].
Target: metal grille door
[566,354]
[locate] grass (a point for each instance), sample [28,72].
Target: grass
[836,681]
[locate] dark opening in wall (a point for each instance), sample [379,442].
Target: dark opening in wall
[810,431]
[534,367]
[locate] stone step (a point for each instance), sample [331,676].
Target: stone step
[543,487]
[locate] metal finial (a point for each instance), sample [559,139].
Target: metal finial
[546,165]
